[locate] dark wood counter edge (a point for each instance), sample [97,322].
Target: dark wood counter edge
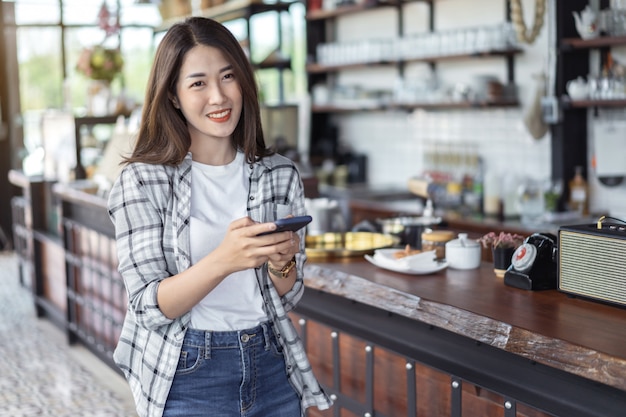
[80,207]
[559,354]
[76,195]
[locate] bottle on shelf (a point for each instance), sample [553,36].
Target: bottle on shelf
[492,196]
[579,193]
[474,185]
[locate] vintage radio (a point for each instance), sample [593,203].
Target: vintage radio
[591,262]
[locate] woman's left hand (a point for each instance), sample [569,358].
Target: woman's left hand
[285,250]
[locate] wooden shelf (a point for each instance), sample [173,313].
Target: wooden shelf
[319,69]
[95,120]
[282,64]
[339,11]
[356,8]
[599,42]
[568,103]
[413,106]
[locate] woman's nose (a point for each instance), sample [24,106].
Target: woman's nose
[215,94]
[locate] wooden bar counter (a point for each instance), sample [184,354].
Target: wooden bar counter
[540,349]
[454,343]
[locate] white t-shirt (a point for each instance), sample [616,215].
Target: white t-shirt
[218,196]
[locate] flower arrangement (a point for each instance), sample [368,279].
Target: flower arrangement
[100,63]
[503,240]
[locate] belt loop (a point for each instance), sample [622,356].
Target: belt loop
[266,335]
[207,345]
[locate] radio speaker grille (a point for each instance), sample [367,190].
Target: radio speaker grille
[592,266]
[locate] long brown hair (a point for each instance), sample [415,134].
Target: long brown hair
[163,136]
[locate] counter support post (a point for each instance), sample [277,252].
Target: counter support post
[31,210]
[456,397]
[70,277]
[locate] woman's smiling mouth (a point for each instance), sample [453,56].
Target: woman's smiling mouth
[220,116]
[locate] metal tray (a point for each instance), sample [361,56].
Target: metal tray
[347,244]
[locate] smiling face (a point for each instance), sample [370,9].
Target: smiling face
[209,96]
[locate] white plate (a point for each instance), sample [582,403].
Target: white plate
[422,264]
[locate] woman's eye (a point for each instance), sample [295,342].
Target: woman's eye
[229,76]
[197,84]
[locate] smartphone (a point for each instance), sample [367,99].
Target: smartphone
[290,223]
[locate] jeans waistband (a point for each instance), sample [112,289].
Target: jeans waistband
[229,339]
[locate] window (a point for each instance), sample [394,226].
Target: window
[50,36]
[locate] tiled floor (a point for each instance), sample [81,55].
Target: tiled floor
[40,374]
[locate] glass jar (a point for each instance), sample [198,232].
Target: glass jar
[436,240]
[531,201]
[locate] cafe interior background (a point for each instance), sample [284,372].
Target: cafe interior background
[45,85]
[346,109]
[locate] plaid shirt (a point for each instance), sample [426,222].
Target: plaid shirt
[150,208]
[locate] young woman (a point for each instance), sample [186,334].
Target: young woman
[207,332]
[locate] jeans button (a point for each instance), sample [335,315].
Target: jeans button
[245,338]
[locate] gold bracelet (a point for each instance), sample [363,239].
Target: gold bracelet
[282,273]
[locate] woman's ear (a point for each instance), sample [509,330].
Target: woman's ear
[174,101]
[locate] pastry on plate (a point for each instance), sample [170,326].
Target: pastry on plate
[407,251]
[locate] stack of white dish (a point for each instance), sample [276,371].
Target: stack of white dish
[419,264]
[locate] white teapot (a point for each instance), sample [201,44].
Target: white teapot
[577,89]
[587,23]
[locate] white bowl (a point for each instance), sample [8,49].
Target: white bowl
[463,253]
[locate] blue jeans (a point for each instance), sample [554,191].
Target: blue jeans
[232,374]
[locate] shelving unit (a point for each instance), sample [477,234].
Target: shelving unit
[569,135]
[576,44]
[315,68]
[321,29]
